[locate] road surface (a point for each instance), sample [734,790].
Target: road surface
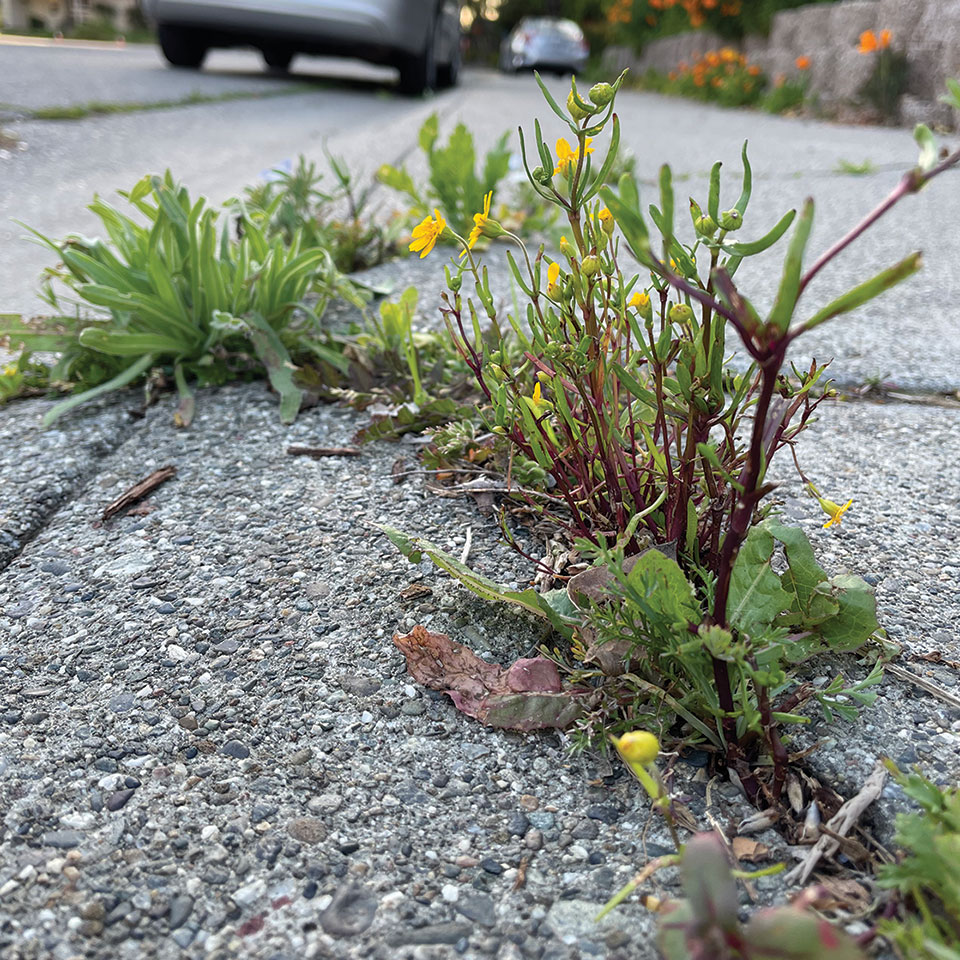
[217,148]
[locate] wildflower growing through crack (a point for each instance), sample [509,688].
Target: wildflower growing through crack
[834,511]
[427,233]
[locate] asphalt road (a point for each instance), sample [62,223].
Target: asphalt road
[910,337]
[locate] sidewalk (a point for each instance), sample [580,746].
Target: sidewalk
[209,746]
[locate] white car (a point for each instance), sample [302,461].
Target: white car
[419,37]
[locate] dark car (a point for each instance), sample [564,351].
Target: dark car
[421,38]
[544,43]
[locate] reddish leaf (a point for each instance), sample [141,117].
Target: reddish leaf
[527,695]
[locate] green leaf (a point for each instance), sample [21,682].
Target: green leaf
[756,597]
[928,147]
[280,369]
[664,586]
[713,202]
[790,282]
[856,620]
[952,97]
[804,574]
[427,136]
[120,380]
[867,290]
[787,933]
[741,204]
[529,599]
[751,247]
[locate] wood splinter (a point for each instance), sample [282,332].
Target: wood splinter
[138,491]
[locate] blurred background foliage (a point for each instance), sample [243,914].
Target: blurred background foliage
[632,23]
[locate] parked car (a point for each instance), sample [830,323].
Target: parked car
[421,38]
[544,43]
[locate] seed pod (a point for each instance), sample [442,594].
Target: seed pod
[590,266]
[680,313]
[577,112]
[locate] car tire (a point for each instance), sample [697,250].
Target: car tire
[448,74]
[418,72]
[277,61]
[182,47]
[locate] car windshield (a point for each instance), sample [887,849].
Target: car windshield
[566,28]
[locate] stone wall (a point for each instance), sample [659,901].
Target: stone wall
[928,31]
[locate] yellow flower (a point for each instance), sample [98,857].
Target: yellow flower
[567,157]
[536,392]
[834,511]
[639,300]
[427,233]
[479,219]
[553,286]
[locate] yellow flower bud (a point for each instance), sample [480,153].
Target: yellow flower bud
[601,94]
[607,223]
[638,746]
[577,112]
[567,248]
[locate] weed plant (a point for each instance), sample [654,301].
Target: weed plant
[619,389]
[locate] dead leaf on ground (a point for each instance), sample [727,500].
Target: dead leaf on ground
[527,695]
[843,894]
[749,851]
[415,591]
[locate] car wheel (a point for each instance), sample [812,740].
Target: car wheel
[418,72]
[448,74]
[182,47]
[277,61]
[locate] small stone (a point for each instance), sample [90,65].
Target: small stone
[227,646]
[350,912]
[250,893]
[234,748]
[262,811]
[307,830]
[450,892]
[518,824]
[180,908]
[534,839]
[478,908]
[176,653]
[301,757]
[63,839]
[166,607]
[542,819]
[189,721]
[602,813]
[412,708]
[585,830]
[491,866]
[118,800]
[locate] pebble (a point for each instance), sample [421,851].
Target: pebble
[234,748]
[350,912]
[118,800]
[249,893]
[307,830]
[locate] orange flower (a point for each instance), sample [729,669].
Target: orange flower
[754,71]
[868,42]
[885,37]
[803,63]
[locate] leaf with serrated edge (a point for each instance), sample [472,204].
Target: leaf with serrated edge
[756,597]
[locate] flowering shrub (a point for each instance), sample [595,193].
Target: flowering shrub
[719,76]
[888,81]
[618,389]
[640,21]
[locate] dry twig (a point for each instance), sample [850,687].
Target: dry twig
[138,491]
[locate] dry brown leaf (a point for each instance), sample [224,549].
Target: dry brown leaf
[840,894]
[749,851]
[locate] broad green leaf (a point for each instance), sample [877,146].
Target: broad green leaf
[803,573]
[857,619]
[756,597]
[529,599]
[665,587]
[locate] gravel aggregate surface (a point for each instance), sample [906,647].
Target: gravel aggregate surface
[209,746]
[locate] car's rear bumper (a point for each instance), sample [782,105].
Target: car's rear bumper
[375,30]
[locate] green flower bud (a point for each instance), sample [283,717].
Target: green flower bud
[541,175]
[680,313]
[500,431]
[455,283]
[706,226]
[590,266]
[601,94]
[567,248]
[731,220]
[575,110]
